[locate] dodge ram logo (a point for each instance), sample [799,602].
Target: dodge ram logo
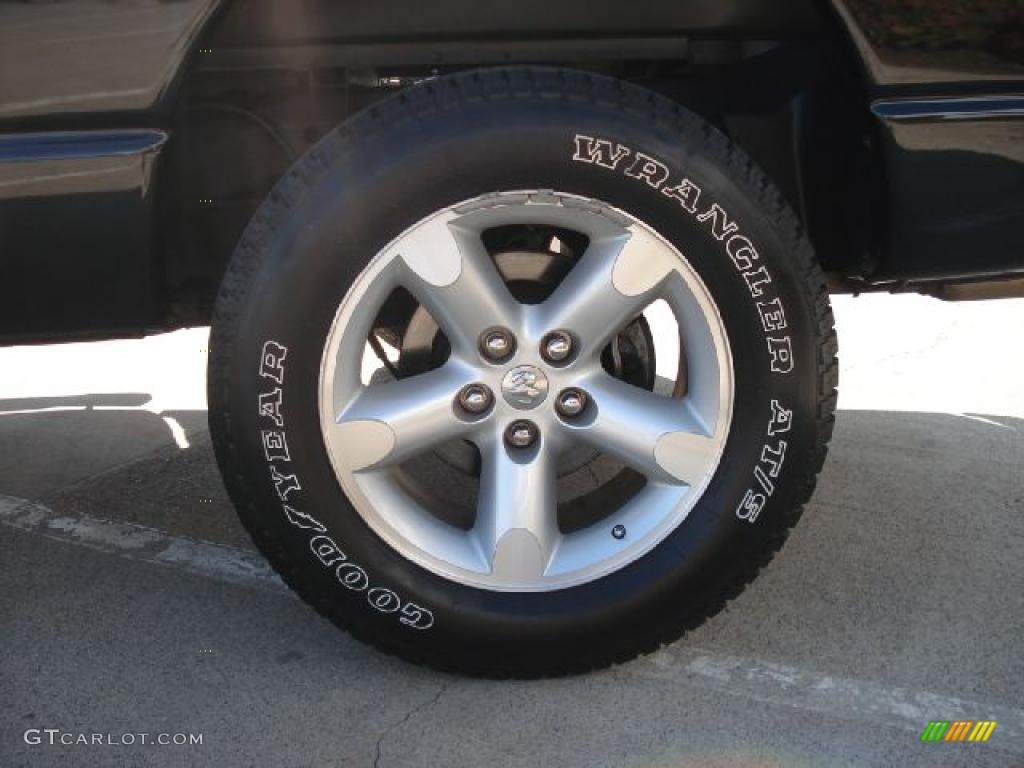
[524,387]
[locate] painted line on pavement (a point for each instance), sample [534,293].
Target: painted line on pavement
[780,684]
[136,542]
[754,679]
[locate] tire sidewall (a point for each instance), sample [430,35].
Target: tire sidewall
[357,192]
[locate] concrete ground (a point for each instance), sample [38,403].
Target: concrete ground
[131,601]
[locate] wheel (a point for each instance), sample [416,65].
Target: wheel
[521,372]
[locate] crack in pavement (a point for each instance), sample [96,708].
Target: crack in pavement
[755,679]
[406,718]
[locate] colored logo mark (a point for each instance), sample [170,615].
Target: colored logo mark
[958,730]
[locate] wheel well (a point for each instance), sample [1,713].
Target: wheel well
[245,113]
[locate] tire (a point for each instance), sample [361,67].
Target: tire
[463,138]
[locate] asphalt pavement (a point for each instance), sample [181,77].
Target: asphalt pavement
[131,602]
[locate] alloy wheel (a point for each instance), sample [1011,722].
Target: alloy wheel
[524,381]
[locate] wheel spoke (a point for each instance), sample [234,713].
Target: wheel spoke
[514,543]
[663,438]
[386,423]
[609,286]
[516,524]
[448,270]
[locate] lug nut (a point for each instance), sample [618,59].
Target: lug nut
[556,347]
[497,344]
[619,531]
[475,398]
[521,434]
[571,402]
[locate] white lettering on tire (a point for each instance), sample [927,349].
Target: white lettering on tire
[384,600]
[738,247]
[352,577]
[325,549]
[275,445]
[302,520]
[773,318]
[599,151]
[416,617]
[745,258]
[781,421]
[769,466]
[781,351]
[270,406]
[283,484]
[272,361]
[646,168]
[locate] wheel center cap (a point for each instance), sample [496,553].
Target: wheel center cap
[524,387]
